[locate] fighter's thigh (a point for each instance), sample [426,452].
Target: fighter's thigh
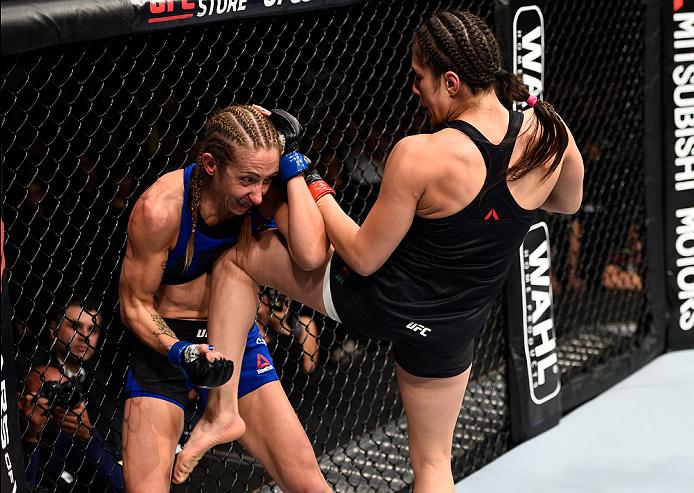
[275,437]
[269,264]
[432,406]
[151,429]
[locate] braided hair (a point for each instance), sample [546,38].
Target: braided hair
[461,42]
[224,132]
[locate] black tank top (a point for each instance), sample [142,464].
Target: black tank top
[446,272]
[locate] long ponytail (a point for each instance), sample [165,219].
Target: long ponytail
[549,138]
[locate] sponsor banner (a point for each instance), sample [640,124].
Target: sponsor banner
[32,25]
[533,372]
[678,86]
[12,466]
[521,33]
[539,338]
[163,14]
[528,57]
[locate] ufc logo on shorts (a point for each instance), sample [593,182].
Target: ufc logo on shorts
[415,327]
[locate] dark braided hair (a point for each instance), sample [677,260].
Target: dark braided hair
[224,132]
[461,42]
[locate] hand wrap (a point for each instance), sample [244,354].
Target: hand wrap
[200,371]
[316,185]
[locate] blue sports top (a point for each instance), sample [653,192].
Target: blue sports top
[209,242]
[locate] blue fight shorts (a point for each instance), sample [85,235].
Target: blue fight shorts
[151,375]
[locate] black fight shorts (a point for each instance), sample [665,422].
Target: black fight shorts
[441,353]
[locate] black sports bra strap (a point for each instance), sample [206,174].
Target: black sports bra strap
[515,122]
[496,156]
[477,138]
[466,128]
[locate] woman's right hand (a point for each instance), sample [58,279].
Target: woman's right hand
[202,364]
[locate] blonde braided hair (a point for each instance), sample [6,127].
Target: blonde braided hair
[224,132]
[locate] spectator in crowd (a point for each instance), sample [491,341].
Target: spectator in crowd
[587,255]
[575,280]
[69,418]
[623,268]
[287,317]
[567,275]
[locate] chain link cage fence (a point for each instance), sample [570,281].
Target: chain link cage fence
[87,127]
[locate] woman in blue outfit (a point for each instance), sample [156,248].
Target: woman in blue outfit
[177,230]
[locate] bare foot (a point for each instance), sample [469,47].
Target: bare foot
[205,435]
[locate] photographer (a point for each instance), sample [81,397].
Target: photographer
[62,402]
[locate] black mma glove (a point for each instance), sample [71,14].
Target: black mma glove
[201,372]
[289,129]
[292,162]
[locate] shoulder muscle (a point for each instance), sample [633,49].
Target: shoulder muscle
[407,164]
[156,216]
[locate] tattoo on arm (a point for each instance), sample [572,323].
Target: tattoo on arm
[162,328]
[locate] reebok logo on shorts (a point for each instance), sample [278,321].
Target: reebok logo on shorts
[415,327]
[263,365]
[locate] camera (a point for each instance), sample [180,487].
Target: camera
[67,395]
